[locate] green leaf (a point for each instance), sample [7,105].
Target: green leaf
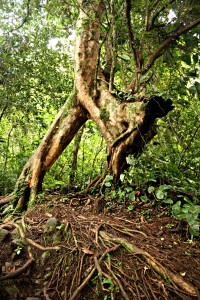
[187,59]
[131,207]
[176,208]
[144,198]
[125,57]
[151,189]
[122,176]
[168,201]
[109,178]
[160,195]
[132,196]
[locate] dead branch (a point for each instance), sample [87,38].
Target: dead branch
[93,182]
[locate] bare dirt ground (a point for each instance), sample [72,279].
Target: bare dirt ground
[95,250]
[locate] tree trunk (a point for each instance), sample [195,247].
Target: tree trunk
[60,134]
[77,141]
[125,125]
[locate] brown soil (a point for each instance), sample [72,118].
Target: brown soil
[99,251]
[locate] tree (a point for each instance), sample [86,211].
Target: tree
[112,36]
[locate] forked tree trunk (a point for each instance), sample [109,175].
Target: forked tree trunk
[126,127]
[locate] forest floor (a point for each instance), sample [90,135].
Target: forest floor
[80,247]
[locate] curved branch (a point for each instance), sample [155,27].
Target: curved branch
[158,12]
[25,19]
[173,37]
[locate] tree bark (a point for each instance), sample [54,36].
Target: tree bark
[77,141]
[60,134]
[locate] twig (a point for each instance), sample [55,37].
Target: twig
[80,269]
[97,179]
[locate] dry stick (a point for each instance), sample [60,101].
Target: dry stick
[83,284]
[151,261]
[18,271]
[93,182]
[80,269]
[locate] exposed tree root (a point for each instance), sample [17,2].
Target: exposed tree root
[83,284]
[46,295]
[36,245]
[96,253]
[94,183]
[31,242]
[5,199]
[19,271]
[161,270]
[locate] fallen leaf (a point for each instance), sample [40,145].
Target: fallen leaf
[87,251]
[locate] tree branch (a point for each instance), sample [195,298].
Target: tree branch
[173,37]
[158,12]
[130,32]
[3,111]
[148,15]
[25,19]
